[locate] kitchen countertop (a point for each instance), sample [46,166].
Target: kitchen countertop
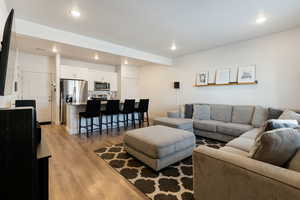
[84,103]
[72,115]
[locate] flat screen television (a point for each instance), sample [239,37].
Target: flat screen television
[8,56]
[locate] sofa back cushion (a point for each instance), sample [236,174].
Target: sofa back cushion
[242,114]
[221,112]
[260,116]
[201,112]
[276,147]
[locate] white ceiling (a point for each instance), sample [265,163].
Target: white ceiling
[44,47]
[152,25]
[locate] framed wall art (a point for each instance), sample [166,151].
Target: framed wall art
[223,76]
[202,78]
[247,74]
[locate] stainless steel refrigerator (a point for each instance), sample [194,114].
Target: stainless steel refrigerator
[71,91]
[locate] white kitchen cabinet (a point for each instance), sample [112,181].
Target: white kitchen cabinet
[102,76]
[112,78]
[68,72]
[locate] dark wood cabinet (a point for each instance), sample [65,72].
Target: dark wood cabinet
[23,162]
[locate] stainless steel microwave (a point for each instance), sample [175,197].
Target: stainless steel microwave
[101,86]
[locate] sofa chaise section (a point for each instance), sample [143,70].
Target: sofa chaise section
[220,174]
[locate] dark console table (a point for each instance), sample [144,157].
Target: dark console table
[24,157]
[43,155]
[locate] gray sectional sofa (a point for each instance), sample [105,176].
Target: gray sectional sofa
[226,122]
[229,172]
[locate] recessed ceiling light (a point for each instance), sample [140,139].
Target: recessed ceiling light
[126,62]
[54,49]
[173,47]
[96,57]
[261,19]
[75,13]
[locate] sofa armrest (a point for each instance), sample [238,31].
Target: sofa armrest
[222,175]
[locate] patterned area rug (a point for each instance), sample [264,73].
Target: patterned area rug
[172,183]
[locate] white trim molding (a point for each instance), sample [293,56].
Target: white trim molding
[45,32]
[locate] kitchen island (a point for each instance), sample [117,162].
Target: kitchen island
[72,117]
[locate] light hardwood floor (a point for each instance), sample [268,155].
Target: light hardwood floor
[77,173]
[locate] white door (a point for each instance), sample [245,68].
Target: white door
[130,86]
[37,86]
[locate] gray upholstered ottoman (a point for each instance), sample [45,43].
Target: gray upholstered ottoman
[159,146]
[180,123]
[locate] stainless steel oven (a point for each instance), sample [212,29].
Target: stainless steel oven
[101,86]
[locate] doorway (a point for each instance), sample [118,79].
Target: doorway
[37,86]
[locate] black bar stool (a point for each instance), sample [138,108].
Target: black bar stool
[92,110]
[141,110]
[112,108]
[128,108]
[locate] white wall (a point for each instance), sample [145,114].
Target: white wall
[4,100]
[156,83]
[36,63]
[100,67]
[278,73]
[3,14]
[129,78]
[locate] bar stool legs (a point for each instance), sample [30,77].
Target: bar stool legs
[133,119]
[100,124]
[148,119]
[79,125]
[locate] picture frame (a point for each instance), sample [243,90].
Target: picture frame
[234,74]
[202,78]
[247,74]
[212,76]
[223,76]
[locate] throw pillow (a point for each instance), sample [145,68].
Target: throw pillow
[276,147]
[188,111]
[274,113]
[289,114]
[279,123]
[201,112]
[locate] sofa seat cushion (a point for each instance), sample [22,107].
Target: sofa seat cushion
[244,144]
[234,151]
[181,123]
[159,141]
[221,112]
[207,125]
[233,129]
[253,133]
[242,114]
